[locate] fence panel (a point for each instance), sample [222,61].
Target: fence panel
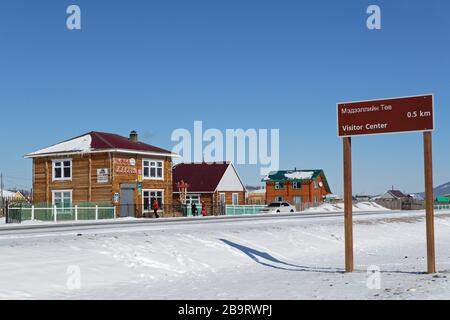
[442,207]
[18,214]
[243,210]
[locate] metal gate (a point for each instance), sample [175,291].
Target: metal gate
[13,214]
[127,201]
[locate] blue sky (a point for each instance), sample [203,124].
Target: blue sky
[155,66]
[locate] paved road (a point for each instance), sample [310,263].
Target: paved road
[136,224]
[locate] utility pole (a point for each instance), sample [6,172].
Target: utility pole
[1,186]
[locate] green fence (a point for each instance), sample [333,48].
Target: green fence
[442,206]
[187,210]
[46,213]
[243,210]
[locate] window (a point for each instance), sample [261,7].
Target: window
[149,197]
[222,198]
[297,185]
[62,199]
[298,200]
[316,200]
[274,205]
[62,169]
[316,184]
[279,185]
[193,198]
[279,199]
[153,169]
[235,199]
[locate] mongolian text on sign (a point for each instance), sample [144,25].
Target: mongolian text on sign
[386,116]
[125,166]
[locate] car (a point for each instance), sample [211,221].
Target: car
[279,207]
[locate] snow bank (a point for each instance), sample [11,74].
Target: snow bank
[339,207]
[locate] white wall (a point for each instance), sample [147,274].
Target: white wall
[230,181]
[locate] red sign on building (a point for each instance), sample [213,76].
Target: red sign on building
[385,116]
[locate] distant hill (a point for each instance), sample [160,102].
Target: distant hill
[443,189]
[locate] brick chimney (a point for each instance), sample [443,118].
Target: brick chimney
[134,136]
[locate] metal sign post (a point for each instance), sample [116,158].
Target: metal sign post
[395,115]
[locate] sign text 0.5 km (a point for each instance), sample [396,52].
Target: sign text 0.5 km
[386,116]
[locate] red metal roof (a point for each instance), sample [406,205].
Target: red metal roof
[201,177]
[103,140]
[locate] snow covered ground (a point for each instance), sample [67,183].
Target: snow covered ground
[339,207]
[260,258]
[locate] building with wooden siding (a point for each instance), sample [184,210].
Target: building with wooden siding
[297,187]
[104,168]
[215,184]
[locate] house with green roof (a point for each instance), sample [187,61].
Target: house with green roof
[297,187]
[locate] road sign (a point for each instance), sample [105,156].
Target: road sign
[392,115]
[387,116]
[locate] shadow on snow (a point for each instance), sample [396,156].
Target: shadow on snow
[265,259]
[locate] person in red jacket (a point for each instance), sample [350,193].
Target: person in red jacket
[155,208]
[204,209]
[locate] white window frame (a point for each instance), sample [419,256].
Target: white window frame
[237,198]
[189,196]
[296,185]
[150,167]
[62,191]
[222,194]
[54,161]
[277,185]
[152,190]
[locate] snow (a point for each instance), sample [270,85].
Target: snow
[80,144]
[258,191]
[7,194]
[274,258]
[299,175]
[339,207]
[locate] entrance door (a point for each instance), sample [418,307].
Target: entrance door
[127,201]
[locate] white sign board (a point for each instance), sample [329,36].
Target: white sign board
[102,175]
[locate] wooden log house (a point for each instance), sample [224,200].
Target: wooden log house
[297,187]
[215,184]
[104,168]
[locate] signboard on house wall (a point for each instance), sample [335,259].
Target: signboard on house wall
[393,115]
[126,166]
[102,175]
